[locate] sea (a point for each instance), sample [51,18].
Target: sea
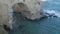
[53,6]
[44,26]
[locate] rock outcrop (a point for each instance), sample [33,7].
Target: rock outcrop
[32,9]
[5,17]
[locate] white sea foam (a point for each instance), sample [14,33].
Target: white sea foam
[50,12]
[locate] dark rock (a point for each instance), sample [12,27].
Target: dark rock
[6,28]
[55,16]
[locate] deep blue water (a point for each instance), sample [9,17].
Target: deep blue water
[44,26]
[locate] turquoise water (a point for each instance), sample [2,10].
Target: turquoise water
[43,26]
[53,5]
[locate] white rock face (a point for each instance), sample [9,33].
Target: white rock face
[5,16]
[30,8]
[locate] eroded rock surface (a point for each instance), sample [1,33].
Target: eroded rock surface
[5,17]
[31,9]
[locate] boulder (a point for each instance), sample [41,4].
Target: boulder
[31,9]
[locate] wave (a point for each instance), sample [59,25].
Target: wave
[51,12]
